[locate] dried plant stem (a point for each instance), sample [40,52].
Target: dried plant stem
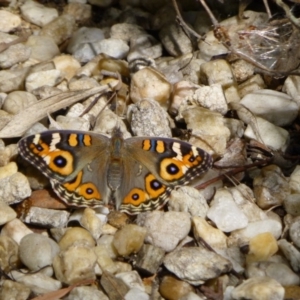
[182,23]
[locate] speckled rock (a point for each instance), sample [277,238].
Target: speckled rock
[75,264]
[9,254]
[164,230]
[14,290]
[278,271]
[195,265]
[269,289]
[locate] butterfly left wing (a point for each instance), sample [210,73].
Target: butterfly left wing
[157,166]
[67,158]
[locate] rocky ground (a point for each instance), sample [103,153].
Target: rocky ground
[225,81]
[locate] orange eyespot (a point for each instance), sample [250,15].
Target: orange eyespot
[135,197]
[88,191]
[154,187]
[60,162]
[171,169]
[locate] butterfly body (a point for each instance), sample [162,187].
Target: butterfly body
[90,169]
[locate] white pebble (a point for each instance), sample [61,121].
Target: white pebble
[37,13]
[275,107]
[225,213]
[272,136]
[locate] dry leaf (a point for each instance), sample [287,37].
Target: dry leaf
[22,121]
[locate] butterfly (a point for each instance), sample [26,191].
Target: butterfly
[90,169]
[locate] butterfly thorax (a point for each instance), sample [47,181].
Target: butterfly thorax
[115,167]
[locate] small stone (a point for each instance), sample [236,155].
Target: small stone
[115,48]
[291,253]
[164,230]
[188,199]
[144,46]
[292,204]
[270,187]
[275,107]
[13,55]
[76,236]
[292,87]
[8,170]
[195,265]
[91,222]
[16,230]
[172,288]
[175,40]
[278,271]
[272,136]
[242,70]
[214,237]
[37,251]
[14,188]
[107,241]
[149,83]
[104,260]
[8,21]
[135,293]
[268,289]
[9,254]
[80,11]
[129,239]
[12,80]
[294,232]
[67,64]
[292,292]
[252,85]
[42,78]
[225,213]
[86,292]
[191,296]
[46,217]
[132,279]
[14,290]
[148,112]
[6,213]
[261,247]
[43,48]
[46,199]
[217,72]
[295,180]
[126,32]
[60,29]
[208,129]
[109,284]
[17,101]
[241,194]
[150,258]
[80,44]
[39,283]
[75,264]
[37,13]
[242,236]
[117,219]
[211,97]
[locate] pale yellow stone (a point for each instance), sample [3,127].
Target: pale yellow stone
[76,236]
[104,261]
[75,264]
[129,239]
[261,247]
[211,235]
